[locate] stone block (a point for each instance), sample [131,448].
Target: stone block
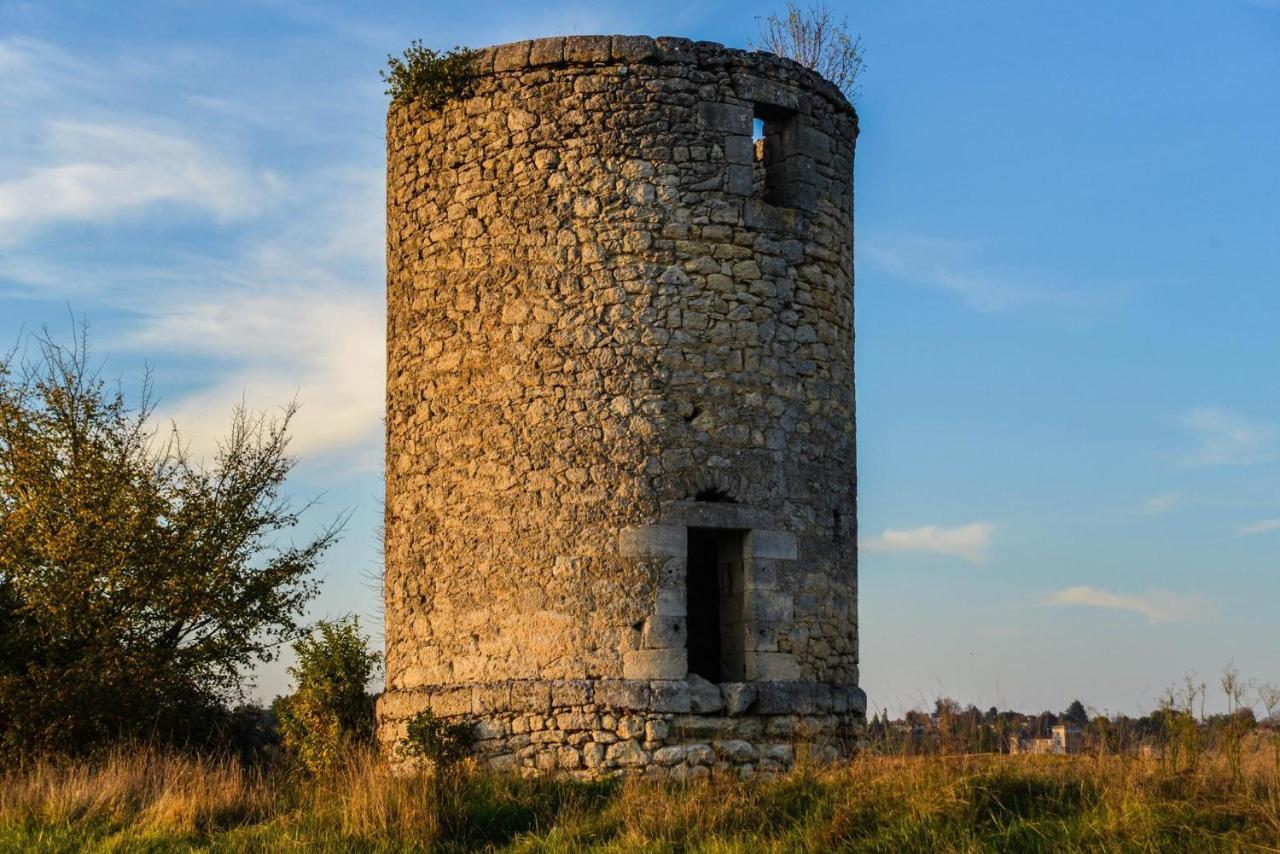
[575,721]
[668,756]
[622,694]
[762,636]
[586,49]
[771,666]
[765,573]
[492,728]
[673,49]
[530,695]
[739,697]
[654,664]
[698,726]
[570,692]
[546,51]
[857,700]
[704,697]
[452,701]
[739,180]
[749,728]
[767,92]
[776,545]
[653,541]
[783,754]
[511,57]
[593,755]
[632,49]
[739,149]
[736,750]
[625,754]
[664,632]
[670,696]
[491,697]
[730,118]
[671,603]
[630,726]
[785,698]
[768,606]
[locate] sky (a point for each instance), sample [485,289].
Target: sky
[1067,291]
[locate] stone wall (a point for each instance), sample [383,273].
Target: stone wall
[687,728]
[602,308]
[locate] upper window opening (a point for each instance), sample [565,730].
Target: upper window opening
[775,141]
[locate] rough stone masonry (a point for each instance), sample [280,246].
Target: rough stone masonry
[620,485]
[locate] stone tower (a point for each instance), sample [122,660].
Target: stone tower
[620,506]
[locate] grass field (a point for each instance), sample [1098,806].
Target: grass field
[148,802]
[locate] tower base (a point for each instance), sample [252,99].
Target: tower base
[671,728]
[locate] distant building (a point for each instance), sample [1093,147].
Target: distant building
[1064,740]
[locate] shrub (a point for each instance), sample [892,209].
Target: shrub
[427,75]
[443,743]
[330,713]
[137,582]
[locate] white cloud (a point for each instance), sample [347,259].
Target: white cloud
[1265,526]
[1226,438]
[1161,504]
[967,542]
[1158,606]
[950,265]
[324,349]
[287,304]
[98,172]
[300,314]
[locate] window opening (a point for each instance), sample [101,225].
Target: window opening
[774,140]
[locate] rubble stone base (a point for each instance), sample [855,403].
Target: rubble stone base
[680,728]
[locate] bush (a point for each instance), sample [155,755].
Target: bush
[427,75]
[330,714]
[137,583]
[443,743]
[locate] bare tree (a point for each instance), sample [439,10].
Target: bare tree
[1269,693]
[812,38]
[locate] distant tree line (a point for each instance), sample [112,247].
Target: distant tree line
[1178,729]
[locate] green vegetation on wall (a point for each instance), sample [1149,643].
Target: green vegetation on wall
[426,75]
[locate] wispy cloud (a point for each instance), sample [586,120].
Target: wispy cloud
[967,542]
[98,172]
[1157,605]
[1264,526]
[955,266]
[1158,505]
[1227,438]
[284,302]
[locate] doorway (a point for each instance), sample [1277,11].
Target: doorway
[715,580]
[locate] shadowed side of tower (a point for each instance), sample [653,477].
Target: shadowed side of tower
[620,508]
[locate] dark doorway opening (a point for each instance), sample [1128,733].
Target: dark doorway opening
[714,604]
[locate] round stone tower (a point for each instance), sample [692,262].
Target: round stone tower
[620,474]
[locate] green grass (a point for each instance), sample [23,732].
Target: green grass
[145,802]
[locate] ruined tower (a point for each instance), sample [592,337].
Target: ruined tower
[620,506]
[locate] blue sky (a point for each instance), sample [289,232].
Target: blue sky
[1068,285]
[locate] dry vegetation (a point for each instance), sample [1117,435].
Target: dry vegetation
[145,801]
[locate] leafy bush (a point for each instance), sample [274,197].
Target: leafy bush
[427,75]
[137,583]
[330,713]
[444,743]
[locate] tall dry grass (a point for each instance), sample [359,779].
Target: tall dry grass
[150,800]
